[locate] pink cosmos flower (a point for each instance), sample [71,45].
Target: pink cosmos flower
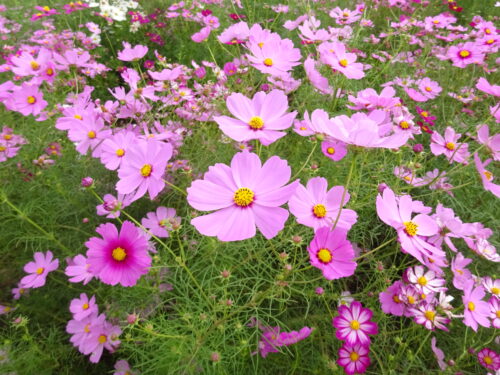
[334,150]
[38,270]
[354,358]
[332,253]
[492,286]
[89,134]
[143,167]
[439,354]
[334,55]
[102,335]
[353,324]
[429,88]
[27,65]
[465,54]
[113,148]
[492,143]
[272,339]
[26,99]
[78,270]
[130,53]
[111,206]
[450,226]
[235,34]
[426,315]
[369,99]
[244,195]
[83,307]
[344,16]
[412,232]
[494,303]
[390,301]
[449,146]
[476,311]
[261,117]
[123,368]
[317,80]
[371,131]
[19,291]
[424,281]
[201,35]
[275,56]
[489,359]
[118,257]
[80,329]
[161,222]
[486,176]
[316,207]
[483,85]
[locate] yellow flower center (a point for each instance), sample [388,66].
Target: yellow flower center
[487,359]
[268,62]
[488,175]
[345,14]
[146,170]
[396,299]
[428,89]
[256,123]
[31,100]
[343,62]
[91,134]
[324,255]
[49,71]
[429,314]
[487,31]
[102,339]
[86,329]
[3,148]
[495,291]
[85,306]
[34,65]
[404,125]
[435,22]
[319,210]
[243,197]
[355,324]
[39,270]
[330,151]
[354,356]
[422,281]
[490,41]
[424,113]
[46,8]
[78,117]
[261,44]
[450,146]
[120,152]
[411,300]
[464,53]
[410,228]
[7,137]
[498,314]
[119,254]
[471,306]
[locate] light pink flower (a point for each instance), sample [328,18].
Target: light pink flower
[334,54]
[38,270]
[161,222]
[449,146]
[486,176]
[476,311]
[130,53]
[83,307]
[78,270]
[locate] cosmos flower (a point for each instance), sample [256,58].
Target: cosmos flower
[476,311]
[39,269]
[354,325]
[130,53]
[244,195]
[161,222]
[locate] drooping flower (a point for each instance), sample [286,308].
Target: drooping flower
[262,117]
[439,354]
[354,324]
[39,269]
[118,257]
[476,311]
[78,270]
[332,253]
[354,358]
[245,195]
[316,207]
[272,338]
[83,307]
[161,222]
[486,176]
[143,167]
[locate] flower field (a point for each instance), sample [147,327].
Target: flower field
[249,187]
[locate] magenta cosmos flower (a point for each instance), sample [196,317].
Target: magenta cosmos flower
[390,301]
[244,195]
[354,358]
[316,207]
[118,257]
[476,311]
[353,324]
[412,232]
[332,253]
[489,359]
[143,167]
[465,54]
[261,117]
[38,270]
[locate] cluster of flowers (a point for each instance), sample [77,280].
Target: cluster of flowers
[354,326]
[9,143]
[112,10]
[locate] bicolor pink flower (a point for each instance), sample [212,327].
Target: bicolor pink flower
[425,281]
[486,176]
[449,146]
[354,324]
[489,359]
[332,253]
[130,53]
[464,54]
[78,270]
[118,257]
[492,286]
[390,301]
[476,311]
[316,207]
[275,56]
[161,222]
[83,307]
[334,55]
[354,358]
[334,150]
[412,232]
[39,269]
[494,303]
[371,131]
[262,117]
[143,167]
[244,195]
[426,315]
